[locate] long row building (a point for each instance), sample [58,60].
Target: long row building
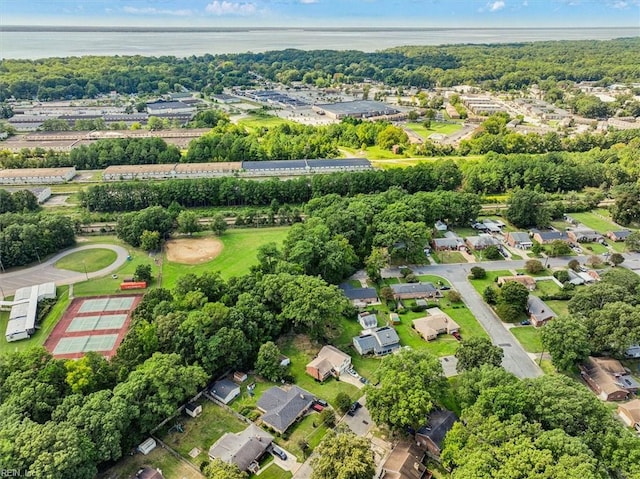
[24,310]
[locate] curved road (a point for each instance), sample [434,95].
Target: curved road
[46,271]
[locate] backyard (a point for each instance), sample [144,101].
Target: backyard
[171,466]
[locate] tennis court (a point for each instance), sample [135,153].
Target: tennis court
[83,344]
[98,305]
[96,323]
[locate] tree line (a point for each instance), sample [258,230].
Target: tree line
[20,201]
[500,67]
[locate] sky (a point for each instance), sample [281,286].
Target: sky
[323,13]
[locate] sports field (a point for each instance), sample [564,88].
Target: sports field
[92,324]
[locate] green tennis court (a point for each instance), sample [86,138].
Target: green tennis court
[82,344]
[99,305]
[96,323]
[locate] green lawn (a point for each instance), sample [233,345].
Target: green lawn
[529,337]
[481,284]
[594,248]
[202,431]
[171,467]
[273,471]
[46,327]
[448,257]
[309,429]
[255,122]
[560,307]
[443,128]
[595,222]
[546,287]
[88,260]
[237,256]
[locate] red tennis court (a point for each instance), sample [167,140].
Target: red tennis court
[97,324]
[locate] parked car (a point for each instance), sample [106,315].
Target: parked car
[322,402]
[456,335]
[354,407]
[364,380]
[526,322]
[352,372]
[317,407]
[279,452]
[445,288]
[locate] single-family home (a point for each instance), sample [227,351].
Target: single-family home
[619,235]
[524,280]
[415,291]
[447,244]
[283,407]
[436,323]
[193,409]
[359,295]
[367,320]
[481,241]
[225,391]
[519,239]
[575,278]
[405,462]
[493,226]
[633,351]
[608,378]
[330,361]
[244,449]
[378,341]
[431,436]
[584,235]
[549,236]
[440,226]
[539,311]
[630,413]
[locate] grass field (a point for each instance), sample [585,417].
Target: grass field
[255,122]
[273,471]
[46,327]
[171,467]
[309,429]
[481,284]
[202,431]
[443,128]
[595,222]
[448,257]
[89,260]
[559,307]
[238,255]
[529,338]
[546,287]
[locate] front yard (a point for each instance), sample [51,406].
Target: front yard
[529,338]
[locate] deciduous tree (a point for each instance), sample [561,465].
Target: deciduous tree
[343,455]
[268,362]
[475,352]
[566,340]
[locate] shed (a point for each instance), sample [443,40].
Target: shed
[225,391]
[193,410]
[147,446]
[239,377]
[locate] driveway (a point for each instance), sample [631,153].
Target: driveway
[46,271]
[291,464]
[360,423]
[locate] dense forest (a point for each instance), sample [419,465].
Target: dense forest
[499,67]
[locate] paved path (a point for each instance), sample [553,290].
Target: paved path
[46,271]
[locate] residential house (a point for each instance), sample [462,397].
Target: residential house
[405,462]
[578,277]
[608,378]
[360,295]
[440,226]
[447,244]
[431,436]
[584,235]
[225,391]
[633,351]
[519,239]
[524,280]
[415,291]
[493,226]
[244,449]
[367,320]
[619,235]
[436,323]
[378,341]
[283,407]
[149,473]
[482,241]
[549,236]
[330,361]
[539,311]
[630,413]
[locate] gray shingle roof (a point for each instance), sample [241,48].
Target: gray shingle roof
[242,448]
[520,237]
[538,307]
[282,407]
[223,388]
[358,293]
[440,422]
[407,288]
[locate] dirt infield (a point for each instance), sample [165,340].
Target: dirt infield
[62,331]
[192,250]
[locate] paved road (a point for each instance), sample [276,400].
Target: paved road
[46,271]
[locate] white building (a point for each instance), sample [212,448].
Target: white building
[24,308]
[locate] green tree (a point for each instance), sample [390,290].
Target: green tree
[489,295]
[633,241]
[218,225]
[217,469]
[574,264]
[626,209]
[143,273]
[88,374]
[491,252]
[566,340]
[559,248]
[475,352]
[616,259]
[343,402]
[515,294]
[533,266]
[478,273]
[343,455]
[411,384]
[188,222]
[150,240]
[268,362]
[328,417]
[374,263]
[614,328]
[527,208]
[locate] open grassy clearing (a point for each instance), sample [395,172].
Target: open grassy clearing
[202,431]
[490,280]
[171,467]
[237,256]
[256,122]
[595,222]
[309,429]
[87,260]
[546,288]
[46,327]
[560,307]
[436,127]
[448,257]
[529,338]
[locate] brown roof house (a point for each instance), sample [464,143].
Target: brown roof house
[330,361]
[608,379]
[436,323]
[630,413]
[405,462]
[243,449]
[519,239]
[282,407]
[524,280]
[539,311]
[431,436]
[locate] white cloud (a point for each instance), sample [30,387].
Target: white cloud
[620,4]
[495,6]
[157,11]
[224,7]
[525,3]
[308,1]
